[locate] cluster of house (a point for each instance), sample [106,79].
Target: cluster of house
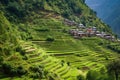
[82,31]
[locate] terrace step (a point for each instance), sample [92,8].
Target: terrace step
[61,69]
[41,56]
[91,64]
[35,60]
[52,66]
[98,67]
[68,78]
[30,50]
[28,47]
[49,64]
[64,72]
[85,63]
[56,67]
[34,55]
[44,61]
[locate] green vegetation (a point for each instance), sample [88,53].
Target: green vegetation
[114,46]
[113,69]
[36,44]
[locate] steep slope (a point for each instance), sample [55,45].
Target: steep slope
[108,11]
[8,39]
[73,10]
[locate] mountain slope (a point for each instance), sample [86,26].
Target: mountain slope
[44,49]
[108,11]
[74,10]
[8,39]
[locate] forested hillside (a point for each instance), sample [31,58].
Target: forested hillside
[74,10]
[8,38]
[35,41]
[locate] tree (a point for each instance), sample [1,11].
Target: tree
[83,1]
[50,38]
[114,68]
[80,77]
[1,59]
[92,75]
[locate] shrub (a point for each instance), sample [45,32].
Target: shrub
[92,75]
[65,31]
[51,77]
[25,57]
[19,49]
[42,29]
[49,38]
[68,63]
[1,59]
[13,71]
[97,75]
[62,62]
[6,68]
[34,68]
[35,75]
[101,43]
[21,70]
[80,77]
[37,72]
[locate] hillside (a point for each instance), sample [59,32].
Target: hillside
[36,42]
[108,11]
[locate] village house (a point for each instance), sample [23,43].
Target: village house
[99,35]
[103,34]
[81,26]
[73,32]
[77,33]
[94,28]
[113,38]
[81,34]
[90,32]
[118,40]
[109,37]
[97,32]
[82,31]
[106,36]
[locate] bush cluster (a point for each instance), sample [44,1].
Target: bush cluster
[50,38]
[10,70]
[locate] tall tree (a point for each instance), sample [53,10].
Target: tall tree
[114,68]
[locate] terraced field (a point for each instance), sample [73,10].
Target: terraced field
[83,56]
[86,60]
[51,64]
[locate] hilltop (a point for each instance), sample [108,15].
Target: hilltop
[36,43]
